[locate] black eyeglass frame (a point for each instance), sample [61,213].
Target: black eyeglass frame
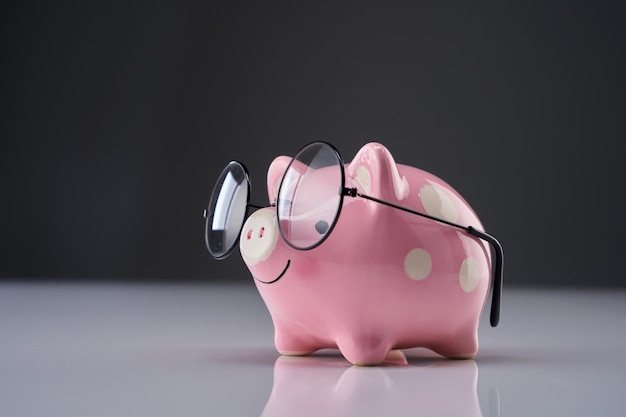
[497,265]
[209,213]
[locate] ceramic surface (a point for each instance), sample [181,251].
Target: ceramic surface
[384,279]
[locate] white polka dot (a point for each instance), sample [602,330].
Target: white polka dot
[437,203]
[363,178]
[469,274]
[417,264]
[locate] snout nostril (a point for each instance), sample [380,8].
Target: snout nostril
[258,237]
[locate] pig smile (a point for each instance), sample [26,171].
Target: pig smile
[279,276]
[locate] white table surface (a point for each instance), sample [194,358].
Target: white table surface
[207,350]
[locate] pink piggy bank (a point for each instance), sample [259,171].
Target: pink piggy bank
[365,257]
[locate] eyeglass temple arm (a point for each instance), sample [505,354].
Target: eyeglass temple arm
[494,317]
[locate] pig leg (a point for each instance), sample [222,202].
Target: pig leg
[363,350]
[293,342]
[463,345]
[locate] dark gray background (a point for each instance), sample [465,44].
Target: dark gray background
[116,119]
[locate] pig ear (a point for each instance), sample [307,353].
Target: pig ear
[374,172]
[275,174]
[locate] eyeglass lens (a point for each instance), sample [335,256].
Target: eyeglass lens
[309,198]
[227,210]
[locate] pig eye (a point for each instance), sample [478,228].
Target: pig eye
[310,196]
[321,227]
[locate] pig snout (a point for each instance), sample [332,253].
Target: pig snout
[258,236]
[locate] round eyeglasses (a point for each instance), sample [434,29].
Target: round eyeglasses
[307,208]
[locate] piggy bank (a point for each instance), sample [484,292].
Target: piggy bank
[405,266]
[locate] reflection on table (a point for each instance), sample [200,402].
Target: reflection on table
[326,385]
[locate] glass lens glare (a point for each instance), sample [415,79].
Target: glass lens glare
[310,196]
[227,210]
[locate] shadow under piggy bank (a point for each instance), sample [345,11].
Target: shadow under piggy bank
[323,385]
